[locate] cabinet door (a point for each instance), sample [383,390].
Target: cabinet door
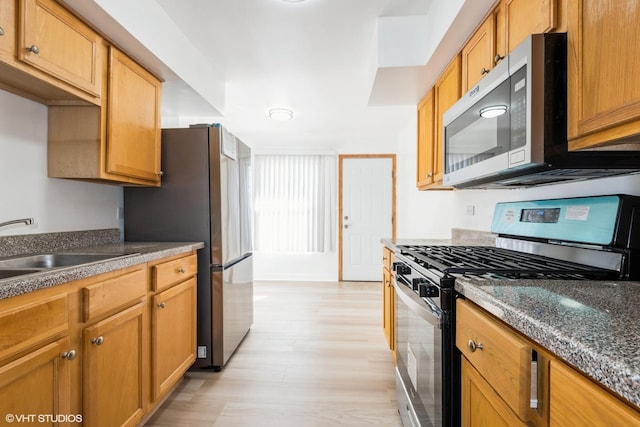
[7,30]
[173,335]
[388,303]
[133,120]
[602,75]
[56,42]
[447,92]
[38,383]
[524,17]
[478,55]
[576,401]
[114,375]
[426,141]
[481,406]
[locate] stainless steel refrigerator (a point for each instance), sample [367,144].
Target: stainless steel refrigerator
[205,196]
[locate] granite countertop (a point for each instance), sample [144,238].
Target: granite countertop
[592,325]
[132,253]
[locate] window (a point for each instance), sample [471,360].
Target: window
[294,203]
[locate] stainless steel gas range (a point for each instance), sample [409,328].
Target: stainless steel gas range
[588,238]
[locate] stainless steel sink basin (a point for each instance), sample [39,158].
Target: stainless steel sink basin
[5,274]
[26,264]
[54,260]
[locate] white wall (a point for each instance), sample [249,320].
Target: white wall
[27,192]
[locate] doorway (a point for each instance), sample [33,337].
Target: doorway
[366,213]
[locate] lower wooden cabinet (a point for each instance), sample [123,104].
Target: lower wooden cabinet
[480,404]
[115,375]
[577,401]
[173,335]
[499,390]
[37,385]
[388,300]
[97,349]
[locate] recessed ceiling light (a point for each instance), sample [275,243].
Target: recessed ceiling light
[280,114]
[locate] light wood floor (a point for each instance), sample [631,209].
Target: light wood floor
[315,356]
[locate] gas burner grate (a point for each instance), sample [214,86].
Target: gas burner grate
[503,263]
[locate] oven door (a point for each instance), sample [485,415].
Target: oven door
[419,358]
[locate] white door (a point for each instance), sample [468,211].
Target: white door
[367,207]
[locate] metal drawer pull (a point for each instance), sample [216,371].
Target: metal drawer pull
[69,355]
[473,346]
[1,31]
[162,305]
[97,341]
[34,49]
[181,270]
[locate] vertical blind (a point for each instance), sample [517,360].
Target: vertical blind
[294,203]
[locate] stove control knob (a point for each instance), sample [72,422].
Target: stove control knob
[401,268]
[429,291]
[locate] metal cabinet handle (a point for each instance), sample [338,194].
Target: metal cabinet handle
[1,31]
[69,355]
[473,346]
[484,71]
[97,341]
[34,49]
[162,305]
[498,58]
[181,270]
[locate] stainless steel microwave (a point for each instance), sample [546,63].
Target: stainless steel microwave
[510,130]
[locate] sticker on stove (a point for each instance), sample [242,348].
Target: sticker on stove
[509,216]
[412,366]
[577,213]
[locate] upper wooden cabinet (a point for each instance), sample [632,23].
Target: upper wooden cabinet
[504,28]
[602,75]
[47,54]
[7,30]
[56,42]
[133,120]
[524,17]
[426,141]
[443,95]
[479,54]
[117,142]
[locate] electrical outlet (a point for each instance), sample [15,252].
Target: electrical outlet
[471,210]
[202,352]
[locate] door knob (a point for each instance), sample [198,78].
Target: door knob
[346,217]
[346,226]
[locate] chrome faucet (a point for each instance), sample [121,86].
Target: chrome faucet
[27,221]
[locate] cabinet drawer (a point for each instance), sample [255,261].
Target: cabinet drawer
[29,324]
[498,354]
[170,272]
[103,297]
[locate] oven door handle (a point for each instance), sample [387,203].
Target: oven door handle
[427,310]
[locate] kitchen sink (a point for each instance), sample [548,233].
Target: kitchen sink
[26,264]
[54,260]
[6,273]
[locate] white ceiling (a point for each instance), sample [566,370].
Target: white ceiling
[314,57]
[317,57]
